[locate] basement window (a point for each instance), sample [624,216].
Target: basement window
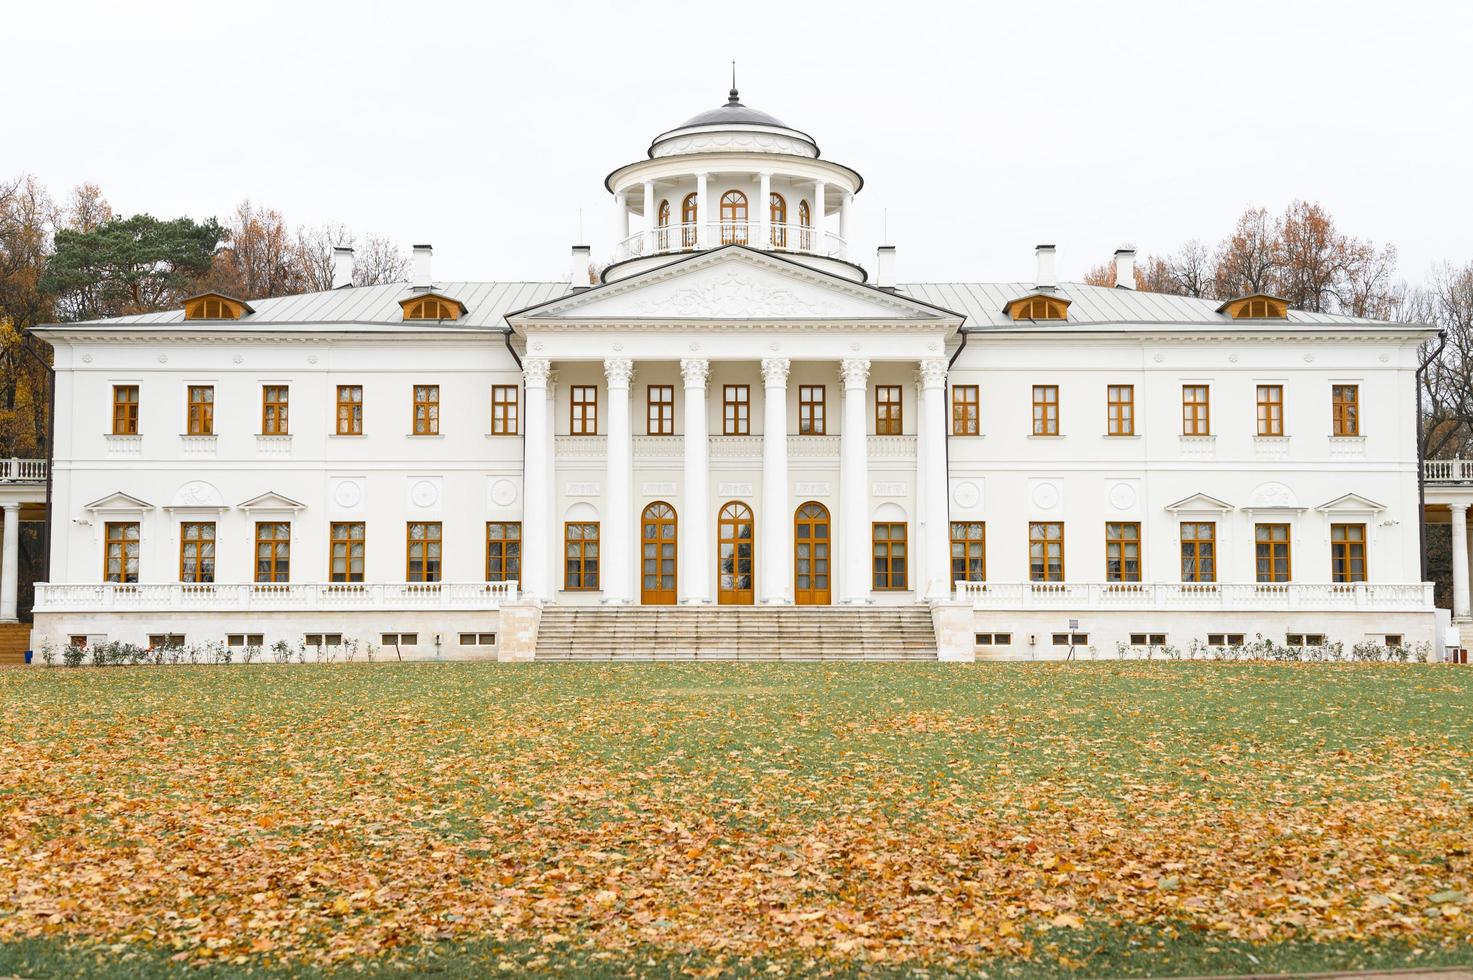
[1224,639]
[400,639]
[478,639]
[245,640]
[1393,641]
[321,640]
[1071,639]
[79,641]
[161,640]
[1305,639]
[1148,639]
[994,639]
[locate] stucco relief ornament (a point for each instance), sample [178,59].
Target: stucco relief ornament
[618,370]
[775,371]
[1384,357]
[197,494]
[86,358]
[933,372]
[163,358]
[732,296]
[503,492]
[1122,496]
[1272,495]
[424,494]
[854,371]
[1232,358]
[1045,496]
[966,495]
[535,371]
[311,358]
[695,370]
[1159,357]
[237,358]
[1308,358]
[348,494]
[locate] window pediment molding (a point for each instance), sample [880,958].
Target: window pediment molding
[271,501]
[1350,503]
[1199,503]
[119,502]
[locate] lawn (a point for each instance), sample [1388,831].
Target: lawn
[853,819]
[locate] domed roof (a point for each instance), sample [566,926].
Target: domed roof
[733,113]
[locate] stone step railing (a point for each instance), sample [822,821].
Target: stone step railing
[694,236]
[1245,596]
[16,470]
[1447,470]
[271,597]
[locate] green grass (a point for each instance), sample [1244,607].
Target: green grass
[534,776]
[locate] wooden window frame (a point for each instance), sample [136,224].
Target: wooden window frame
[1041,414]
[736,410]
[199,412]
[1272,556]
[349,410]
[1046,576]
[777,214]
[889,410]
[885,579]
[116,532]
[1117,545]
[962,564]
[583,414]
[193,547]
[505,410]
[497,552]
[1270,402]
[424,418]
[1345,411]
[276,409]
[1343,554]
[125,410]
[659,414]
[278,553]
[735,217]
[1196,415]
[347,541]
[811,409]
[966,410]
[582,559]
[418,570]
[1193,548]
[690,216]
[1120,410]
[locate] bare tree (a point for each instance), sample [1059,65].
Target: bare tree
[378,260]
[314,248]
[260,260]
[87,208]
[1250,259]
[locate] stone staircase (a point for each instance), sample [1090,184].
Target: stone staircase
[736,633]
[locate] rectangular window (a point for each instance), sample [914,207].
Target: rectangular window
[347,547]
[736,409]
[888,410]
[580,556]
[1347,552]
[350,410]
[994,639]
[1120,410]
[125,410]
[273,551]
[583,402]
[426,410]
[197,551]
[1305,639]
[1046,551]
[1148,639]
[1270,410]
[1071,639]
[478,639]
[1122,551]
[889,556]
[399,639]
[159,641]
[200,417]
[968,551]
[1271,552]
[120,557]
[1225,639]
[1198,551]
[422,551]
[504,410]
[966,410]
[1045,410]
[245,639]
[1346,401]
[503,551]
[811,409]
[1196,417]
[660,403]
[273,410]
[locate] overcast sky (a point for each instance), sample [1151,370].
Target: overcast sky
[982,128]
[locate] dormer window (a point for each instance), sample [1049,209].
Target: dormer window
[432,307]
[1259,306]
[215,306]
[1038,307]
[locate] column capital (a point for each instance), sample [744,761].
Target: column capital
[775,372]
[854,371]
[10,505]
[535,371]
[695,371]
[933,372]
[618,371]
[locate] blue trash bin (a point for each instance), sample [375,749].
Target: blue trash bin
[28,656]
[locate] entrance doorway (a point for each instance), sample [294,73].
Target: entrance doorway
[657,555]
[811,555]
[734,548]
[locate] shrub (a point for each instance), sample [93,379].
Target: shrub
[72,655]
[281,652]
[48,652]
[248,653]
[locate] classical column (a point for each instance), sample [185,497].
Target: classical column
[616,554]
[820,240]
[538,549]
[936,513]
[695,512]
[553,525]
[649,217]
[1460,559]
[621,220]
[703,212]
[845,206]
[10,564]
[854,529]
[764,210]
[918,542]
[776,519]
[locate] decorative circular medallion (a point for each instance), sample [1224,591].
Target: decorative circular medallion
[86,358]
[1122,496]
[935,347]
[1158,357]
[1384,357]
[1046,496]
[1308,358]
[695,345]
[503,492]
[1232,358]
[349,494]
[311,358]
[163,358]
[237,358]
[966,495]
[424,494]
[537,345]
[618,345]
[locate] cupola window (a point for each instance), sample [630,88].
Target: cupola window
[805,221]
[662,220]
[214,306]
[689,213]
[1038,307]
[1258,306]
[733,218]
[778,209]
[431,307]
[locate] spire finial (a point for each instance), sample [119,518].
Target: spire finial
[731,98]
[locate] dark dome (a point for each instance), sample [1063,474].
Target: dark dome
[733,113]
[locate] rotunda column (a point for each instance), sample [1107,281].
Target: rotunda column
[649,217]
[776,519]
[695,511]
[538,547]
[764,209]
[853,476]
[846,204]
[616,559]
[935,512]
[820,237]
[621,223]
[704,217]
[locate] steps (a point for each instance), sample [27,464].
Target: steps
[14,638]
[736,633]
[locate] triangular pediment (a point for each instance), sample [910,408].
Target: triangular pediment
[1351,502]
[271,500]
[1199,502]
[736,283]
[118,500]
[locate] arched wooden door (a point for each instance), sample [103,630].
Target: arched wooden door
[657,555]
[734,551]
[811,555]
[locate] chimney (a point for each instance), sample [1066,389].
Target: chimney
[342,266]
[1046,277]
[885,267]
[1125,268]
[422,255]
[582,259]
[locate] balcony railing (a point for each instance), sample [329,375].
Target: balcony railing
[273,597]
[16,470]
[673,239]
[1447,470]
[1208,596]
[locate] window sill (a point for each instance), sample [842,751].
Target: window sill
[1046,435]
[424,435]
[1122,437]
[503,435]
[345,435]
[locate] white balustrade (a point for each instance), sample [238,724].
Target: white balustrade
[16,470]
[273,596]
[1448,470]
[686,237]
[1207,596]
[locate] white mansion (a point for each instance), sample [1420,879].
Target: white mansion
[736,414]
